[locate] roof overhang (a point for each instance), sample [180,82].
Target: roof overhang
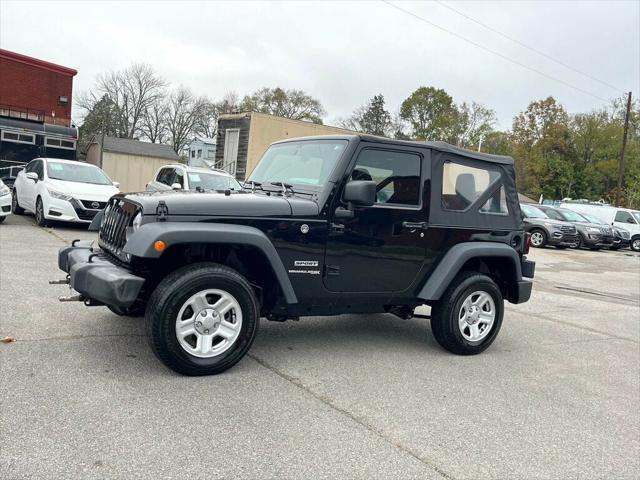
[35,62]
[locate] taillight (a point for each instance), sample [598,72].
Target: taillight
[527,243]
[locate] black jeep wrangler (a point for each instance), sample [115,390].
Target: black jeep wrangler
[323,226]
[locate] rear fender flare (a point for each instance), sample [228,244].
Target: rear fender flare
[456,257]
[141,243]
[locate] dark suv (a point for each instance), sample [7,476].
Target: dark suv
[546,231]
[323,226]
[590,235]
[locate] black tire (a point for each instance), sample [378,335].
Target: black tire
[635,244]
[580,243]
[543,234]
[561,247]
[15,206]
[168,298]
[444,314]
[2,218]
[136,311]
[40,220]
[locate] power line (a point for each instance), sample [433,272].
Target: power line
[516,62]
[535,50]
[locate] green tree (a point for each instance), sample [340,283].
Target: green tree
[294,104]
[431,114]
[543,151]
[371,118]
[103,118]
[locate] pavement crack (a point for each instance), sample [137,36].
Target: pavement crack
[360,421]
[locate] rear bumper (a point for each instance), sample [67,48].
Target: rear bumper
[5,205]
[96,278]
[520,291]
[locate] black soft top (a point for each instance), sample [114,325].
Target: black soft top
[440,146]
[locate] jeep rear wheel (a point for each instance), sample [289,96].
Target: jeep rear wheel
[468,317]
[202,319]
[538,238]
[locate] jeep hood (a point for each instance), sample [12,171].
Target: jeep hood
[237,204]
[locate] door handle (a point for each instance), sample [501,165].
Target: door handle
[415,225]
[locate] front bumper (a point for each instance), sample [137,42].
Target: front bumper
[5,205]
[69,211]
[562,239]
[95,277]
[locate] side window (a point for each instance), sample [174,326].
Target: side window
[624,217]
[31,166]
[462,185]
[397,175]
[39,169]
[178,178]
[553,214]
[497,203]
[165,176]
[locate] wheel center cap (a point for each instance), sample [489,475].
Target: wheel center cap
[473,316]
[207,321]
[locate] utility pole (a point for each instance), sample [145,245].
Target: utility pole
[624,145]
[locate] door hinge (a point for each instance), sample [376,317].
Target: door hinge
[332,269]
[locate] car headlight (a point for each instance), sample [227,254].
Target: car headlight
[593,230]
[59,195]
[137,221]
[551,225]
[4,190]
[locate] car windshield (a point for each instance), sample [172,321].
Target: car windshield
[77,172]
[572,216]
[593,219]
[211,181]
[303,163]
[532,212]
[636,215]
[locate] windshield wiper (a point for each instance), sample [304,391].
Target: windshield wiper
[253,185]
[285,187]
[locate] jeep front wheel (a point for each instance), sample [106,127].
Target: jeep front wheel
[202,319]
[468,317]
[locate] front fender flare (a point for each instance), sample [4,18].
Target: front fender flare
[457,256]
[140,243]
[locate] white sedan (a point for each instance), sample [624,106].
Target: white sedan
[5,201]
[64,190]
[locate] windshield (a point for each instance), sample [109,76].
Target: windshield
[303,163]
[593,219]
[572,216]
[636,214]
[211,181]
[532,212]
[81,173]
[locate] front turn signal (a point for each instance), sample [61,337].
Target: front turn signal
[159,246]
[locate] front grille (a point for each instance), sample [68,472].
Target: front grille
[606,231]
[118,215]
[570,229]
[85,214]
[93,205]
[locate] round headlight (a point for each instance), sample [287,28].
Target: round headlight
[137,221]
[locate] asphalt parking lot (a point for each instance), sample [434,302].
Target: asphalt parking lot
[556,396]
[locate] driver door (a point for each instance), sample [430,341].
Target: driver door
[382,248]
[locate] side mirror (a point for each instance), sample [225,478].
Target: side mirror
[176,186]
[116,184]
[360,192]
[32,176]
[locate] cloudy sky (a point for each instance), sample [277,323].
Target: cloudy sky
[344,53]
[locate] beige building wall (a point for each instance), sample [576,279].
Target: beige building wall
[266,129]
[132,171]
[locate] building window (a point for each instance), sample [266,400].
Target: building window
[199,153]
[60,143]
[193,153]
[18,137]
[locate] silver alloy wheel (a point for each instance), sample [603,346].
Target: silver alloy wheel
[209,323]
[635,244]
[537,239]
[476,316]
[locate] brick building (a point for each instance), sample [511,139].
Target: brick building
[35,111]
[33,89]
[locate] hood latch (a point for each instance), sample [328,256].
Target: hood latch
[162,211]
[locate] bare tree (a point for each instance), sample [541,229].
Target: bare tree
[133,90]
[183,117]
[230,103]
[208,121]
[154,122]
[473,123]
